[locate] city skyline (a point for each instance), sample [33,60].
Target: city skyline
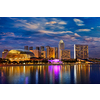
[15,33]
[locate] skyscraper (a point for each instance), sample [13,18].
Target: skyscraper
[25,47]
[61,46]
[43,54]
[31,48]
[37,48]
[56,52]
[42,48]
[81,52]
[65,54]
[4,53]
[50,52]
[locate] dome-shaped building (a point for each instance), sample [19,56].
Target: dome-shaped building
[19,55]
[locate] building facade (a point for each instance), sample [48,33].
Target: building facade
[37,48]
[50,52]
[81,52]
[43,54]
[31,48]
[25,47]
[61,46]
[19,55]
[4,54]
[65,54]
[56,52]
[42,48]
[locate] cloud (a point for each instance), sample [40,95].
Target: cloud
[56,21]
[7,34]
[66,32]
[77,35]
[96,39]
[68,37]
[88,39]
[52,32]
[78,22]
[62,22]
[83,30]
[92,39]
[52,22]
[27,25]
[92,27]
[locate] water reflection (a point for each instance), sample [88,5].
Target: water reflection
[81,73]
[52,74]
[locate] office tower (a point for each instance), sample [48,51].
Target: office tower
[81,52]
[61,46]
[56,52]
[37,48]
[47,51]
[4,53]
[42,48]
[65,54]
[43,54]
[50,52]
[25,47]
[31,48]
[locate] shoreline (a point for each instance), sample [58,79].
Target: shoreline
[43,64]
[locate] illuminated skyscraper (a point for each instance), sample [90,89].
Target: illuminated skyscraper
[25,47]
[81,52]
[50,52]
[61,46]
[43,54]
[30,48]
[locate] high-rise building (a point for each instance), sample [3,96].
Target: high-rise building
[37,48]
[25,47]
[61,46]
[50,52]
[56,52]
[42,48]
[4,53]
[65,54]
[43,54]
[81,52]
[31,48]
[47,51]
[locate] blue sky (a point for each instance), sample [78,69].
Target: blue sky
[16,32]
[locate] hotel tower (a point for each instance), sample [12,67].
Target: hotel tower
[81,51]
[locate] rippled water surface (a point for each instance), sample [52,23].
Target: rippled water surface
[51,74]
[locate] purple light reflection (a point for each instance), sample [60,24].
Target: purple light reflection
[55,61]
[55,68]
